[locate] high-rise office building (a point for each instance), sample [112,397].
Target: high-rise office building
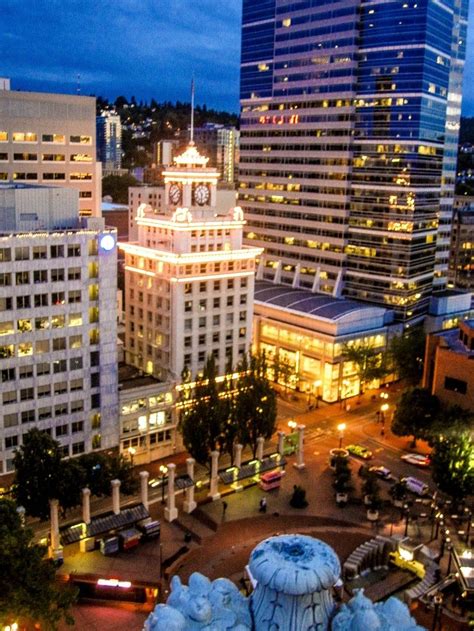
[58,352]
[349,122]
[109,140]
[49,139]
[189,281]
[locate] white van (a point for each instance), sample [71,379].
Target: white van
[416,486]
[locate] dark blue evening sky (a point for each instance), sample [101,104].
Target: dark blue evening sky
[145,48]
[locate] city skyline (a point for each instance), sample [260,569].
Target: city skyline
[102,57]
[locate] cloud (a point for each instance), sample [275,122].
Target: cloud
[150,48]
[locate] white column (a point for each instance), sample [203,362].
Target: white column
[171,512]
[116,496]
[144,475]
[86,505]
[238,455]
[238,463]
[299,464]
[214,483]
[281,443]
[55,547]
[260,444]
[189,503]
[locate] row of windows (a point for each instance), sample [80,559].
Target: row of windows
[44,300]
[41,369]
[40,347]
[40,276]
[45,413]
[20,176]
[12,442]
[58,139]
[25,253]
[28,394]
[26,325]
[152,439]
[216,285]
[46,157]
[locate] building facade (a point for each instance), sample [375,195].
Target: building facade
[152,196]
[148,421]
[308,332]
[449,365]
[461,260]
[109,140]
[50,139]
[349,120]
[58,352]
[189,280]
[220,144]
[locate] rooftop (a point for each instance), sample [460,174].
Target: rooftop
[307,302]
[130,377]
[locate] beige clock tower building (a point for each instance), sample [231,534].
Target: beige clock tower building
[189,280]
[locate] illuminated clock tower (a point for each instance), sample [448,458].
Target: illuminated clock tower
[189,281]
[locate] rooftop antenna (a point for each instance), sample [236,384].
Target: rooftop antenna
[78,89]
[191,139]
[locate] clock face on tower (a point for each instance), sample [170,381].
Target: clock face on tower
[201,194]
[174,194]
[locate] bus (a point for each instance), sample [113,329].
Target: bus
[271,480]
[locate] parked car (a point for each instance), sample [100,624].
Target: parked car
[417,459]
[416,486]
[360,451]
[382,472]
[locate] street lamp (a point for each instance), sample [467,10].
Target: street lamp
[406,510]
[131,452]
[292,424]
[340,428]
[438,602]
[163,471]
[383,409]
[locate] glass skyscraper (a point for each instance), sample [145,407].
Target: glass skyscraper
[349,124]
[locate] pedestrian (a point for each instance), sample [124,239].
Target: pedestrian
[224,507]
[263,505]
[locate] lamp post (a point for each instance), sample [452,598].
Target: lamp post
[438,602]
[131,452]
[468,525]
[450,550]
[163,471]
[340,428]
[292,424]
[406,510]
[383,409]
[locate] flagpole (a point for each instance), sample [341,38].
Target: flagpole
[192,111]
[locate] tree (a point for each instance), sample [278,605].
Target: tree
[204,415]
[342,474]
[368,362]
[38,473]
[117,187]
[283,370]
[230,428]
[255,401]
[407,354]
[452,462]
[371,490]
[415,414]
[29,593]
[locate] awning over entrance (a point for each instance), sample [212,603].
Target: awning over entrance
[103,523]
[251,468]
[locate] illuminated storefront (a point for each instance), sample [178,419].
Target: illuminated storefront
[307,333]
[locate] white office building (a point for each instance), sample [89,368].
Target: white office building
[50,139]
[58,330]
[189,281]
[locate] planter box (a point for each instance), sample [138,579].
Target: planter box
[372,515]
